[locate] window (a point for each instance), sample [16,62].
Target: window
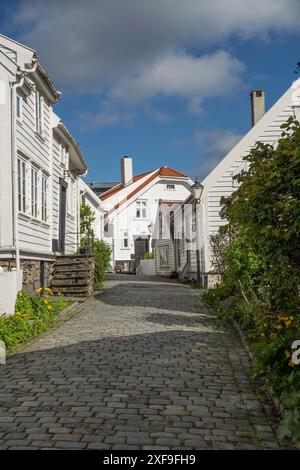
[125,239]
[44,198]
[141,210]
[34,192]
[63,154]
[38,113]
[21,185]
[160,224]
[19,107]
[163,256]
[172,225]
[170,186]
[71,196]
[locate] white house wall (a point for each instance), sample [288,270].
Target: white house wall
[220,181]
[34,235]
[125,218]
[7,71]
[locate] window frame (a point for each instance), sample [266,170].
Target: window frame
[141,206]
[34,212]
[19,107]
[39,114]
[44,198]
[166,257]
[125,237]
[22,185]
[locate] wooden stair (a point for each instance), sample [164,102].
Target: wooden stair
[73,275]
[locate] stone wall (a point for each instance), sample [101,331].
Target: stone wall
[32,273]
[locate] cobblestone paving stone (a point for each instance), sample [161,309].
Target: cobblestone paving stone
[143,366]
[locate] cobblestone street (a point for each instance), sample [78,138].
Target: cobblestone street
[142,366]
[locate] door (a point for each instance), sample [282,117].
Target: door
[141,245]
[62,215]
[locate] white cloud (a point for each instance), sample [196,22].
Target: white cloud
[184,76]
[90,45]
[214,145]
[133,50]
[217,142]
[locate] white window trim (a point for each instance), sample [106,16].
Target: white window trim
[141,201]
[28,214]
[165,248]
[24,191]
[34,212]
[20,99]
[44,198]
[123,237]
[71,203]
[39,118]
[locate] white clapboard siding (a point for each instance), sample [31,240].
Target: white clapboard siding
[34,235]
[220,182]
[164,270]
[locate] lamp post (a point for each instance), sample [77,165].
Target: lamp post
[197,190]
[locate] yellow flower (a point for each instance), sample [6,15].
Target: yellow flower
[49,307]
[39,290]
[287,354]
[46,301]
[278,327]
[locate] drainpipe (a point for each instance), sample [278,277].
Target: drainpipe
[14,87]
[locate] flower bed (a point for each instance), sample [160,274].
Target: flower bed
[33,315]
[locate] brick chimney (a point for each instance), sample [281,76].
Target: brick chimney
[257,99]
[126,171]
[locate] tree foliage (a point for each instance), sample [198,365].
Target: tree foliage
[258,254]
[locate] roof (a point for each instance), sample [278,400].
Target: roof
[165,172]
[62,130]
[266,130]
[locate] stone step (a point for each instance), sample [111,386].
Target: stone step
[69,282]
[72,275]
[65,271]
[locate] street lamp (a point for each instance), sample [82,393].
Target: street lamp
[197,190]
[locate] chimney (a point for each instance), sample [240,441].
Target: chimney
[257,99]
[126,171]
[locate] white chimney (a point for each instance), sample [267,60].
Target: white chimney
[126,171]
[257,99]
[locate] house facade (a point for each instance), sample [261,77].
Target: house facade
[131,210]
[90,199]
[40,168]
[266,128]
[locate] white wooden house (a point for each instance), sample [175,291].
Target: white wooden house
[40,168]
[89,198]
[267,129]
[131,210]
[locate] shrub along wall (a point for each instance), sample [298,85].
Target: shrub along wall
[258,256]
[33,315]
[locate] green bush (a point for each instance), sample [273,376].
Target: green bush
[99,270]
[104,248]
[33,315]
[149,255]
[258,256]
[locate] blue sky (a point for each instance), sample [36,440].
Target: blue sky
[166,82]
